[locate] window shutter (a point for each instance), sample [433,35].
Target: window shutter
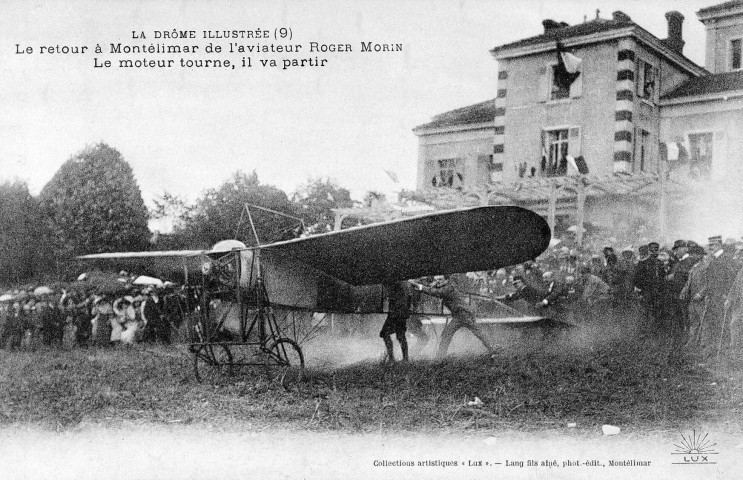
[574,142]
[636,140]
[640,79]
[545,82]
[576,89]
[544,154]
[656,90]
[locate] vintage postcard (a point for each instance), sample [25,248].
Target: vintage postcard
[373,239]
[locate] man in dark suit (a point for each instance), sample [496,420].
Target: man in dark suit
[721,274]
[398,312]
[649,280]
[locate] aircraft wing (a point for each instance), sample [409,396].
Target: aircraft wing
[170,264]
[465,240]
[128,255]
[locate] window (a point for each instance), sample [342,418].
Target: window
[447,174]
[558,89]
[642,150]
[700,154]
[557,83]
[554,153]
[735,54]
[646,80]
[495,171]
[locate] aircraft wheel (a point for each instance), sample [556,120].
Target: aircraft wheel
[212,363]
[286,359]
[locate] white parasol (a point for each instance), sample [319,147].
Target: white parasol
[43,290]
[145,280]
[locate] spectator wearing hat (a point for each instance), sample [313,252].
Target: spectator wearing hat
[734,311]
[613,275]
[721,273]
[398,313]
[556,299]
[52,323]
[130,333]
[122,309]
[34,323]
[594,291]
[676,280]
[81,309]
[15,325]
[462,315]
[626,265]
[527,292]
[102,312]
[648,280]
[694,295]
[680,248]
[570,266]
[156,327]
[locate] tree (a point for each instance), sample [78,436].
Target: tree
[173,207]
[219,213]
[93,204]
[23,252]
[317,198]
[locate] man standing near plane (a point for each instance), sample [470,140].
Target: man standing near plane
[398,312]
[461,314]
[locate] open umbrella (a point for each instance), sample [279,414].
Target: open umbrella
[145,280]
[6,297]
[43,290]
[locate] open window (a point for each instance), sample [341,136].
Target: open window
[558,89]
[557,145]
[562,80]
[447,174]
[647,81]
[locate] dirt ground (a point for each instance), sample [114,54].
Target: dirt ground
[139,413]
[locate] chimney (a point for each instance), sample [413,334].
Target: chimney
[675,40]
[550,25]
[620,16]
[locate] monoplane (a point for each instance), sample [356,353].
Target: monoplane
[264,297]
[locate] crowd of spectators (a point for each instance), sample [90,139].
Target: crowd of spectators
[88,313]
[689,293]
[686,292]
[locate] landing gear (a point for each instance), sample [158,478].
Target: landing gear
[285,357]
[212,363]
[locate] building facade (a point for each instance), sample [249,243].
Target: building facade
[630,105]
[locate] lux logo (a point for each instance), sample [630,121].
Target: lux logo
[696,458]
[696,449]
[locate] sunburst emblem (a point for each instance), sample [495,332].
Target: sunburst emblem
[694,444]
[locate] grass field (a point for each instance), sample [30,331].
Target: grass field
[639,386]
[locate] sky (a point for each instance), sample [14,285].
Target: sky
[184,130]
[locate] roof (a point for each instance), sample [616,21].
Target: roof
[595,30]
[482,112]
[720,7]
[707,84]
[587,28]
